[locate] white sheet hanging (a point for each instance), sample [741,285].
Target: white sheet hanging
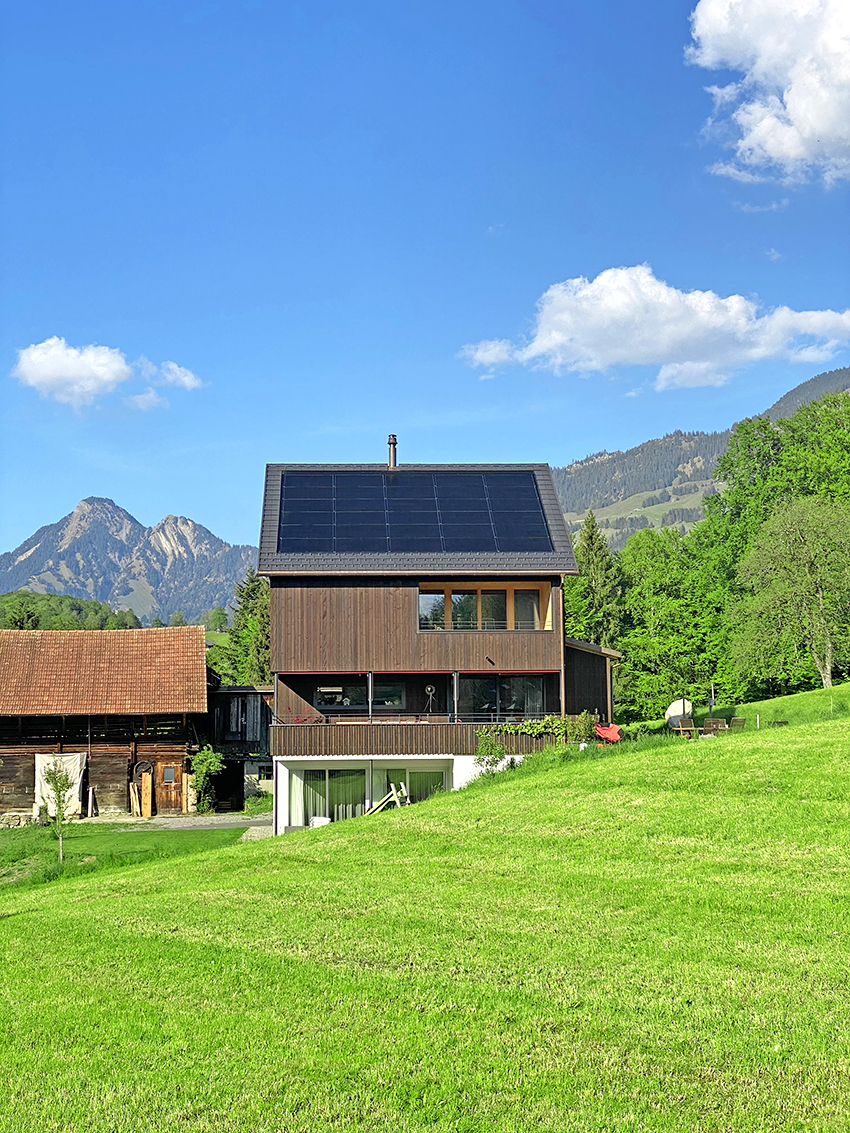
[75,765]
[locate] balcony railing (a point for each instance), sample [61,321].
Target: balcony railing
[410,736]
[382,717]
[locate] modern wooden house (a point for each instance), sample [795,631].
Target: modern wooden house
[127,699]
[410,606]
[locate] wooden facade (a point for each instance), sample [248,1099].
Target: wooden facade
[358,625]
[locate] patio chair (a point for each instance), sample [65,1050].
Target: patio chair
[686,727]
[737,723]
[713,726]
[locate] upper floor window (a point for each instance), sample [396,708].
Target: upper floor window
[506,606]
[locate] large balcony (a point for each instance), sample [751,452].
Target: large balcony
[399,736]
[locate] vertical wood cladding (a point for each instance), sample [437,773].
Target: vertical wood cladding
[586,683]
[362,625]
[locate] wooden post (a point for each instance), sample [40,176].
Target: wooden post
[147,794]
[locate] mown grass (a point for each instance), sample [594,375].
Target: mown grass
[812,707]
[29,855]
[654,937]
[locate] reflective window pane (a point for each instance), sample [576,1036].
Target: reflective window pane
[346,794]
[432,611]
[341,696]
[526,609]
[494,609]
[464,609]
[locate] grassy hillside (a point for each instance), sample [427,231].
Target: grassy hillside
[814,707]
[653,939]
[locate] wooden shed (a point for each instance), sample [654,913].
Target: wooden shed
[124,697]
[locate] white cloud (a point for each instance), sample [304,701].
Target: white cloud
[146,401]
[627,317]
[774,206]
[790,113]
[79,375]
[75,375]
[174,375]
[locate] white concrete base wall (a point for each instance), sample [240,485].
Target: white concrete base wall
[459,769]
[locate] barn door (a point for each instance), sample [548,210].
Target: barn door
[168,787]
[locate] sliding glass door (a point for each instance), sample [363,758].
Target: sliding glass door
[334,794]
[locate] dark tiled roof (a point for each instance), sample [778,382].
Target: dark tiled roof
[126,672]
[560,560]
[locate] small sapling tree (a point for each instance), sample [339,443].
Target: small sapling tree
[59,783]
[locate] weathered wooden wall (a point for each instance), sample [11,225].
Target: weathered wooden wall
[116,744]
[371,625]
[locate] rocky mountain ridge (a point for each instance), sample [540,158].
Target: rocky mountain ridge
[101,551]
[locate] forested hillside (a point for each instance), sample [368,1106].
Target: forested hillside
[755,599]
[608,478]
[24,610]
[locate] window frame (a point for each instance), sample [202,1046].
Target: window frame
[544,604]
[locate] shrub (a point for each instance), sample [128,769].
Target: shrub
[206,764]
[490,752]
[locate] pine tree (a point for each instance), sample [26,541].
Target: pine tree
[593,602]
[245,659]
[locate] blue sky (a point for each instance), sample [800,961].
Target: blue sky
[268,231]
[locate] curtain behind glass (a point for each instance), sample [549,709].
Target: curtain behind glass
[346,794]
[424,783]
[313,795]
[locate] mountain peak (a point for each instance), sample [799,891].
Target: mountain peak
[101,551]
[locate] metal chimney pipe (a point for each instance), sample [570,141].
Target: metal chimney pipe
[391,441]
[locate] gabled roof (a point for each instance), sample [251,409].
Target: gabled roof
[289,546]
[126,672]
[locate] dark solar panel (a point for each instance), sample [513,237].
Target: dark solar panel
[415,511]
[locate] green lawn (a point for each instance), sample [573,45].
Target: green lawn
[217,637]
[817,706]
[651,938]
[29,856]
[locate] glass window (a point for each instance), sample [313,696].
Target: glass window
[307,796]
[382,779]
[526,609]
[464,609]
[341,696]
[432,613]
[477,696]
[388,696]
[423,784]
[521,696]
[494,609]
[346,794]
[168,774]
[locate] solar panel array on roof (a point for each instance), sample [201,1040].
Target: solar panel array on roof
[410,511]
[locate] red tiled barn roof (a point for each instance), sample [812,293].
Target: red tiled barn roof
[102,672]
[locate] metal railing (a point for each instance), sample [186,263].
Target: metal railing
[505,716]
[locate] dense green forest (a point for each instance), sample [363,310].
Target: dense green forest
[21,609]
[756,598]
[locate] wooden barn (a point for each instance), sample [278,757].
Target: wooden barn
[125,698]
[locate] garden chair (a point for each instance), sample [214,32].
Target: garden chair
[686,727]
[737,723]
[713,726]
